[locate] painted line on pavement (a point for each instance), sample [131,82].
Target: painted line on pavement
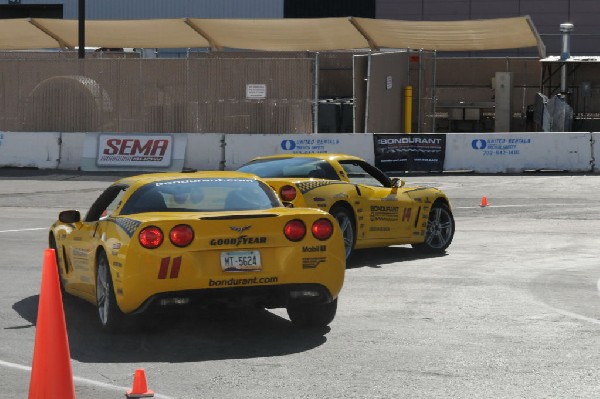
[16,231]
[506,206]
[573,315]
[85,381]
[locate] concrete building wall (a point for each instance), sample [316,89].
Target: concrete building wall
[149,9]
[546,15]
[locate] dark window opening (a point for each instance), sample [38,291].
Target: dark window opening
[328,8]
[12,11]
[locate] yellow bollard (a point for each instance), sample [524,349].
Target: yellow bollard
[408,109]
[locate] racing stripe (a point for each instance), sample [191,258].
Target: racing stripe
[164,268]
[175,268]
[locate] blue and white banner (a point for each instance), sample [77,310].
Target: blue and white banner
[518,152]
[241,148]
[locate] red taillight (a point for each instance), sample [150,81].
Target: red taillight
[322,229]
[294,230]
[151,237]
[287,193]
[181,235]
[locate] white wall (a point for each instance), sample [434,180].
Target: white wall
[516,152]
[204,151]
[477,152]
[23,149]
[240,148]
[71,150]
[596,151]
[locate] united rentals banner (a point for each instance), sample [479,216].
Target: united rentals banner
[410,152]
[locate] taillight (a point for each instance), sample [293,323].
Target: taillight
[322,229]
[151,237]
[181,235]
[294,230]
[287,193]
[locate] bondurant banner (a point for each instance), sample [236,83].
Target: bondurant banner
[410,152]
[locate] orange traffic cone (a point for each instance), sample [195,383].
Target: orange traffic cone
[140,387]
[484,201]
[51,374]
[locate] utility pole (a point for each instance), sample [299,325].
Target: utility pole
[81,29]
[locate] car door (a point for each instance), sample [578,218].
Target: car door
[86,237]
[389,213]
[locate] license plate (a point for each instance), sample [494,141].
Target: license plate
[240,261]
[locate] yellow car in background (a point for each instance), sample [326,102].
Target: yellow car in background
[372,209]
[157,241]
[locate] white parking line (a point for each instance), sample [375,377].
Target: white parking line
[16,231]
[506,206]
[84,381]
[571,314]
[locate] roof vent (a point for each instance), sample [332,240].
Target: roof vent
[566,29]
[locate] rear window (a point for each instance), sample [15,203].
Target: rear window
[201,195]
[291,167]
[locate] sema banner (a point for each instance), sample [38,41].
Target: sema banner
[141,150]
[133,151]
[410,152]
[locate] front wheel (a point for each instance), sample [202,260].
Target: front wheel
[312,314]
[440,230]
[111,317]
[346,223]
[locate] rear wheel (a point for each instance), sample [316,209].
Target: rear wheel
[440,230]
[111,317]
[312,314]
[346,222]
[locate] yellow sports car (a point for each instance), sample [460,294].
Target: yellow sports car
[372,209]
[164,240]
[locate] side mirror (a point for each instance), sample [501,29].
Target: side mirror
[397,183]
[69,217]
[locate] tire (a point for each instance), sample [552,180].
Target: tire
[312,314]
[347,226]
[52,245]
[440,230]
[109,314]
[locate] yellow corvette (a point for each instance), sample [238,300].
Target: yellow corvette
[372,209]
[164,240]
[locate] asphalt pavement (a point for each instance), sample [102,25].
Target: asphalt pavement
[512,310]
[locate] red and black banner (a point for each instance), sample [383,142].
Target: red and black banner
[410,152]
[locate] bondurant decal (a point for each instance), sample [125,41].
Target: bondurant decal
[410,140]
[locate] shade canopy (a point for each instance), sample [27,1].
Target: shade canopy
[317,34]
[468,35]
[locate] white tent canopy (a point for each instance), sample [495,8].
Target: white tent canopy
[318,34]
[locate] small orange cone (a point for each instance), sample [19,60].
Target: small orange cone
[484,201]
[51,374]
[140,387]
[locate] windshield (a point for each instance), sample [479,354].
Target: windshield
[201,195]
[291,167]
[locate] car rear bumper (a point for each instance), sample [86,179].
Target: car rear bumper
[273,296]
